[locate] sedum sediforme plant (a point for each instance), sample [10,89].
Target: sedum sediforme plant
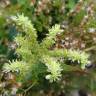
[37,59]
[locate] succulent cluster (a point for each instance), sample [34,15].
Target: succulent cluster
[50,46]
[30,49]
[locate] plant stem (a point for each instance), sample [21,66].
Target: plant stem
[91,48]
[26,90]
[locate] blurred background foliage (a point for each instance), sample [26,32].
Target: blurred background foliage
[78,20]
